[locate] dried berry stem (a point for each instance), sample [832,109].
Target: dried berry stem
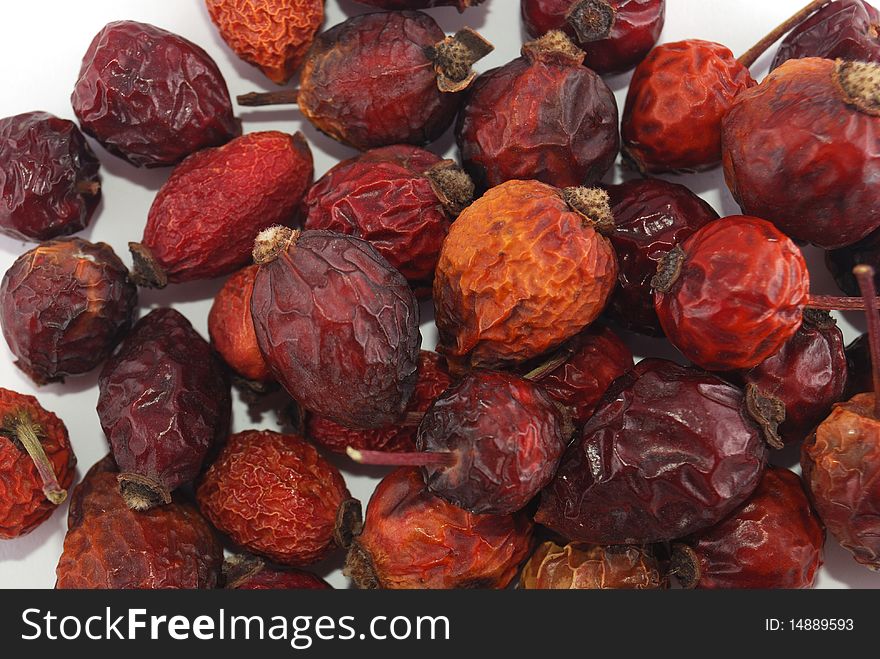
[685,565]
[271,242]
[452,185]
[865,276]
[550,365]
[836,303]
[752,54]
[142,493]
[349,523]
[454,56]
[768,411]
[591,20]
[283,97]
[593,204]
[27,433]
[411,459]
[146,272]
[668,270]
[89,188]
[553,47]
[860,84]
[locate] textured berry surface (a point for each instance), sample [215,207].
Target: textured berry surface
[49,182]
[63,306]
[668,453]
[273,35]
[150,96]
[412,539]
[579,566]
[269,579]
[274,495]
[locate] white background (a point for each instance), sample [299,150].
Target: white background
[41,46]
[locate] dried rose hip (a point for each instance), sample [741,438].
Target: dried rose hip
[401,199]
[523,269]
[488,444]
[196,229]
[651,216]
[253,574]
[63,306]
[859,370]
[579,566]
[276,496]
[49,183]
[383,78]
[580,372]
[164,402]
[420,4]
[615,34]
[413,539]
[842,261]
[37,464]
[669,452]
[799,149]
[150,96]
[273,35]
[543,116]
[732,294]
[110,546]
[433,380]
[339,327]
[845,29]
[774,540]
[232,329]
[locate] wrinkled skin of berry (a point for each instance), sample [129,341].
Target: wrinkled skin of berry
[111,546]
[519,274]
[675,103]
[774,540]
[164,402]
[49,183]
[384,197]
[232,329]
[150,96]
[543,116]
[799,153]
[842,261]
[273,35]
[205,218]
[274,495]
[433,380]
[591,361]
[23,502]
[739,296]
[63,306]
[420,4]
[339,328]
[413,539]
[841,467]
[845,29]
[270,579]
[859,375]
[651,216]
[669,452]
[634,30]
[580,566]
[507,436]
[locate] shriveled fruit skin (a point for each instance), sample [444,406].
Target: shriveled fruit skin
[634,30]
[109,545]
[339,328]
[232,329]
[413,539]
[799,154]
[519,273]
[342,94]
[507,435]
[205,218]
[675,103]
[63,306]
[774,540]
[23,503]
[421,4]
[92,495]
[268,579]
[274,36]
[150,96]
[580,566]
[543,116]
[841,467]
[669,452]
[164,400]
[739,296]
[651,216]
[49,183]
[433,380]
[274,495]
[841,262]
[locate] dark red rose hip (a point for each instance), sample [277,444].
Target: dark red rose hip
[49,183]
[63,306]
[164,402]
[339,327]
[150,96]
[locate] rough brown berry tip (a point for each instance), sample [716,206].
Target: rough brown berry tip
[668,270]
[141,493]
[359,568]
[454,56]
[147,273]
[555,47]
[685,565]
[452,185]
[860,84]
[349,523]
[768,412]
[591,20]
[239,568]
[593,204]
[271,242]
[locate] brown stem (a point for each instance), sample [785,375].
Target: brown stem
[836,303]
[550,365]
[142,493]
[349,523]
[865,276]
[412,459]
[146,272]
[752,54]
[88,188]
[27,433]
[454,188]
[282,97]
[685,565]
[591,20]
